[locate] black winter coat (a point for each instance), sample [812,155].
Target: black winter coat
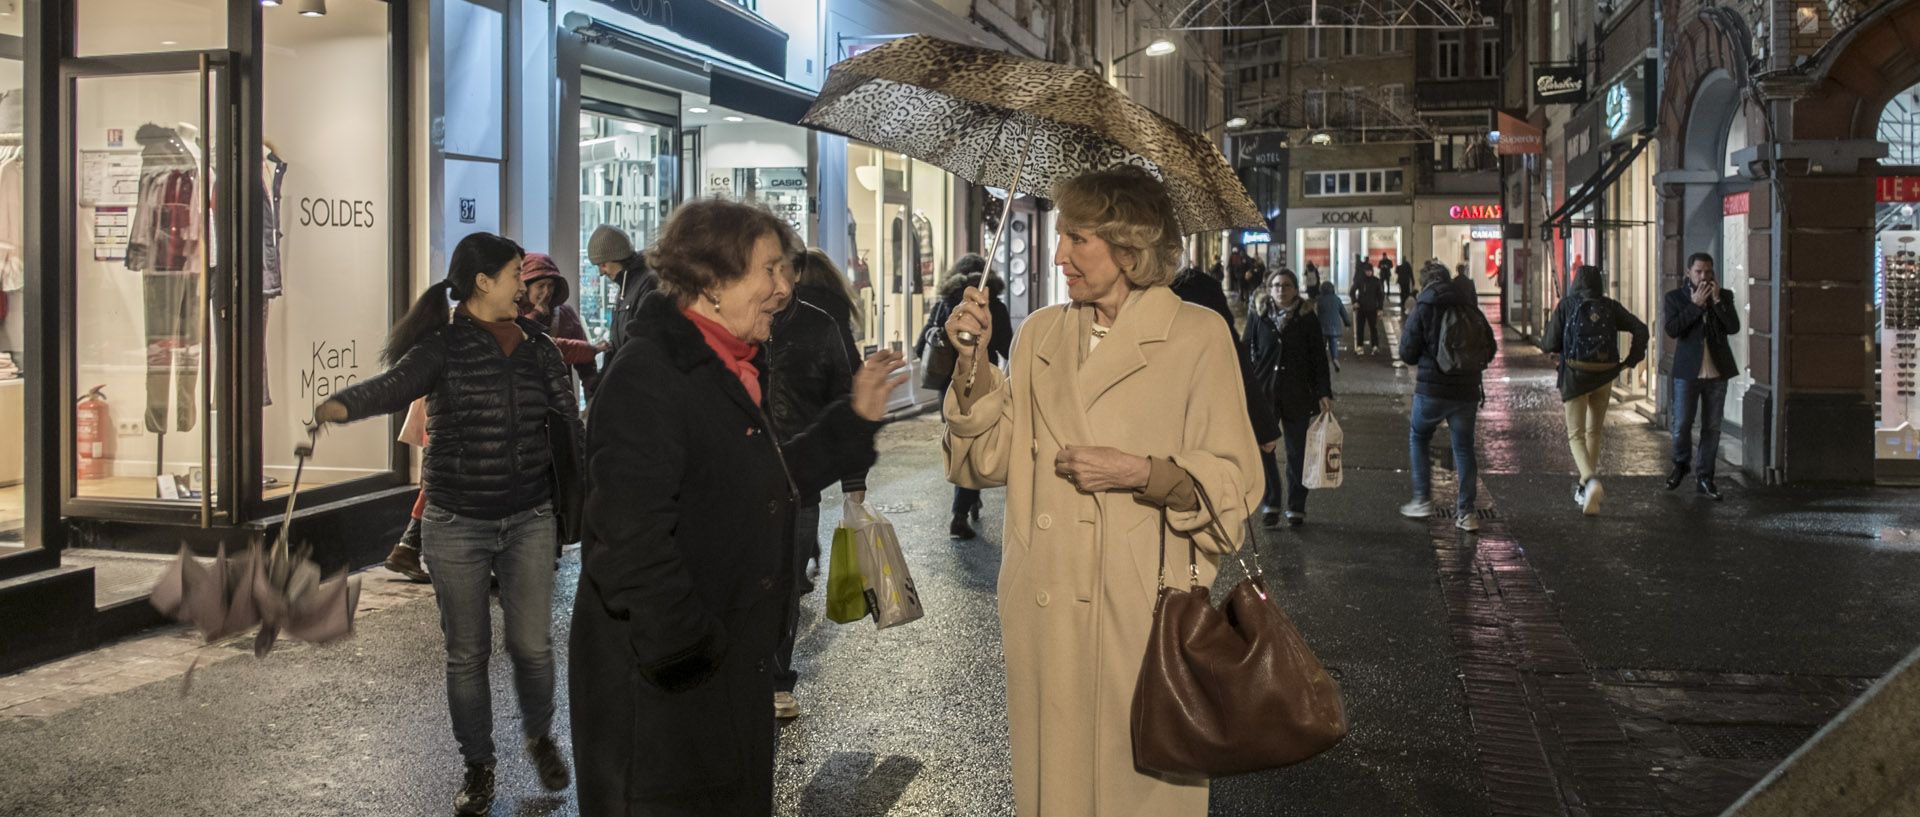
[487,455]
[1420,342]
[1574,380]
[1290,365]
[1699,331]
[1369,294]
[685,575]
[810,361]
[636,283]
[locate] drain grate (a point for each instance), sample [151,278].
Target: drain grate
[1743,741]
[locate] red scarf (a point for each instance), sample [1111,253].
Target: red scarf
[735,354]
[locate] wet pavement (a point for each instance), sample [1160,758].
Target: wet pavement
[1654,659]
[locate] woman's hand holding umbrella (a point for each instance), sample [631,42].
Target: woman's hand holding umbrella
[875,382]
[970,325]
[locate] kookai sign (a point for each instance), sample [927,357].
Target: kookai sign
[1559,85]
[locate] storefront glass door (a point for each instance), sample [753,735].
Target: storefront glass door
[144,155]
[629,171]
[13,151]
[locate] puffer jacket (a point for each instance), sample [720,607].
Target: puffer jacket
[487,455]
[810,360]
[1420,344]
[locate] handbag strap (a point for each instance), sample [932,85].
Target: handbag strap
[1219,527]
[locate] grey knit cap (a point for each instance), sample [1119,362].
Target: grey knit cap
[609,244]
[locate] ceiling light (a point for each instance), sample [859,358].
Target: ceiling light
[269,2]
[311,8]
[168,42]
[696,109]
[733,119]
[1237,122]
[1161,48]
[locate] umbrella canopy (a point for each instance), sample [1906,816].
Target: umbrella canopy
[976,112]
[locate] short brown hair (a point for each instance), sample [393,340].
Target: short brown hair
[707,243]
[1131,210]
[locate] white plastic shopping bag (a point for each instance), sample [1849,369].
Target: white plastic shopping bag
[891,596]
[1320,468]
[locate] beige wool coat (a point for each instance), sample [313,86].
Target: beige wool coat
[1078,574]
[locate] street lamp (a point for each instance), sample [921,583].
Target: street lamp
[1236,122]
[1157,48]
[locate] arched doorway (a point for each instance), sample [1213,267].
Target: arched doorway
[1896,290]
[1714,221]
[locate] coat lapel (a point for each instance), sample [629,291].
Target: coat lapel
[1147,318]
[1055,387]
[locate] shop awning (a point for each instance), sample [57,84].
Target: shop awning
[746,94]
[1597,184]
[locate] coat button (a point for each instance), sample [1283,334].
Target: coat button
[1040,598]
[1044,521]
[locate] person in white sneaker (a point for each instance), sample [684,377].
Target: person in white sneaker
[1454,398]
[1584,337]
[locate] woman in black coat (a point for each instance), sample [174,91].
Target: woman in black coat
[1290,364]
[492,380]
[685,571]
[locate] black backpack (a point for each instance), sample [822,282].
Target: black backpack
[1592,333]
[1464,343]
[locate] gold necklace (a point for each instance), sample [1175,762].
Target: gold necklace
[1101,331]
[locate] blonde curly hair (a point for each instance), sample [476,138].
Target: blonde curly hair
[1130,210]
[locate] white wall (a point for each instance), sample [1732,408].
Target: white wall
[753,144]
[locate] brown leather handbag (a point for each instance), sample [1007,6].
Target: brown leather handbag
[1228,690]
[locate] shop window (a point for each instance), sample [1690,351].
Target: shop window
[473,43]
[13,150]
[146,26]
[1448,48]
[628,175]
[327,120]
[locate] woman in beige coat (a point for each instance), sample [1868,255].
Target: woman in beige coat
[1117,406]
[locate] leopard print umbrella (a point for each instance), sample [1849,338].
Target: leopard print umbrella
[976,112]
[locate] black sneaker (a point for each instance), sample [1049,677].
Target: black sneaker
[476,794]
[547,759]
[1678,473]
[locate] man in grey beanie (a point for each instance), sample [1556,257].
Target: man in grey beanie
[613,252]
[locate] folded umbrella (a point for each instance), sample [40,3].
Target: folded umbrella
[1022,124]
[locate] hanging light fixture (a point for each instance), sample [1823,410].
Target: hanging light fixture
[269,2]
[311,8]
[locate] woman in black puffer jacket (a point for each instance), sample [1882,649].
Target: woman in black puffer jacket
[491,380]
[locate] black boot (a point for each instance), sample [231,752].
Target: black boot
[1708,490]
[1680,471]
[959,529]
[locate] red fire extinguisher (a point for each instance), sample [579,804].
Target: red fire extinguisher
[92,428]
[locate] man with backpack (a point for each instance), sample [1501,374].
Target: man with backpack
[1452,343]
[1584,333]
[1369,296]
[1700,318]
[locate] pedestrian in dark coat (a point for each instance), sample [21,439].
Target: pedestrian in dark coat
[614,253]
[810,363]
[1700,317]
[1409,288]
[1288,351]
[1369,296]
[1586,386]
[492,381]
[684,568]
[1437,396]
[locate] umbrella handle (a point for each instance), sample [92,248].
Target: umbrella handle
[301,453]
[993,249]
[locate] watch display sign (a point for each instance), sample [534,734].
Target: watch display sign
[1559,84]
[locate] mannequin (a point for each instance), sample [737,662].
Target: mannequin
[165,245]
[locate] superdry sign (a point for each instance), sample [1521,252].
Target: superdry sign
[1474,212]
[1559,85]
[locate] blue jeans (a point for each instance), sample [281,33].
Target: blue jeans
[1709,399]
[1459,414]
[462,553]
[1333,348]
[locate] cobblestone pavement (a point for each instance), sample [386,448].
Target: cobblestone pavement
[1655,659]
